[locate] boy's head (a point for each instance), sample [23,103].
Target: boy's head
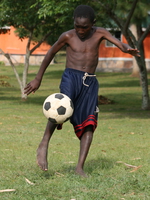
[85,12]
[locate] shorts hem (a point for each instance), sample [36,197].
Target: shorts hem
[79,129]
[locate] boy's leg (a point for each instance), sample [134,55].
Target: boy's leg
[85,144]
[42,150]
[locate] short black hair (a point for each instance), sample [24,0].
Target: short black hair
[84,11]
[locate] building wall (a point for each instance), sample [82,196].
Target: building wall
[112,59]
[10,43]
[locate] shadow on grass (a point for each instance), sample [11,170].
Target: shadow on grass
[120,109]
[94,166]
[99,164]
[49,75]
[54,74]
[118,80]
[127,83]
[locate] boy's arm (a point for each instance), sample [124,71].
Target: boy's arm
[35,84]
[122,46]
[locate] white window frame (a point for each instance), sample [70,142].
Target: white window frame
[109,44]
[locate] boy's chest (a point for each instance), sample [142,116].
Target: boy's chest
[78,45]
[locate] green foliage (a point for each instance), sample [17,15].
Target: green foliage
[140,13]
[57,15]
[122,135]
[62,12]
[24,17]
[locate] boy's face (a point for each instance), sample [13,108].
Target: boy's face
[83,27]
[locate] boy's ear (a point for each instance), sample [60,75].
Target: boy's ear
[94,21]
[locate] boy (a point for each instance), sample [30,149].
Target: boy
[78,81]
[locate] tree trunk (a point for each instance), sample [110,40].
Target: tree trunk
[14,69]
[144,81]
[22,82]
[25,73]
[142,72]
[135,71]
[133,42]
[145,94]
[26,66]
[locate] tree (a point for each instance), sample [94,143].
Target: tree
[134,14]
[24,17]
[138,20]
[37,20]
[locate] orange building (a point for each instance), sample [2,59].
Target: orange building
[111,58]
[10,43]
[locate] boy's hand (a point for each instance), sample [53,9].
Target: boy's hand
[32,86]
[133,52]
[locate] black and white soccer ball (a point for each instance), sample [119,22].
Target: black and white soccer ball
[58,108]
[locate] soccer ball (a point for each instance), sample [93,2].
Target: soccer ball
[58,108]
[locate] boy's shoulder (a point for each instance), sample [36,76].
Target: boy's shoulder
[69,32]
[66,36]
[101,30]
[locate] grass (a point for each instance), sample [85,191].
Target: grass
[122,135]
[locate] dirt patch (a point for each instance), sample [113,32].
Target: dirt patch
[104,100]
[4,83]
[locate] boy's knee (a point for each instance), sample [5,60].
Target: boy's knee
[88,129]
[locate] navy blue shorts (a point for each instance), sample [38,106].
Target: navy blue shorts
[82,88]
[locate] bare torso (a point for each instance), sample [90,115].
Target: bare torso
[83,54]
[82,50]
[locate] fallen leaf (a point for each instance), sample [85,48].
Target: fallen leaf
[8,190]
[27,180]
[110,128]
[135,158]
[133,193]
[136,168]
[75,138]
[59,174]
[70,162]
[132,133]
[128,165]
[58,152]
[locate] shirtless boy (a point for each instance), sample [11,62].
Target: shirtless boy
[78,81]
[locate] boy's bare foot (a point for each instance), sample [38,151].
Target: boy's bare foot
[42,158]
[81,173]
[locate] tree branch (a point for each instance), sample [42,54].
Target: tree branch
[111,14]
[127,33]
[13,66]
[29,42]
[40,42]
[144,35]
[126,26]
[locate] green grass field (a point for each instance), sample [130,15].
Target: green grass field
[121,142]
